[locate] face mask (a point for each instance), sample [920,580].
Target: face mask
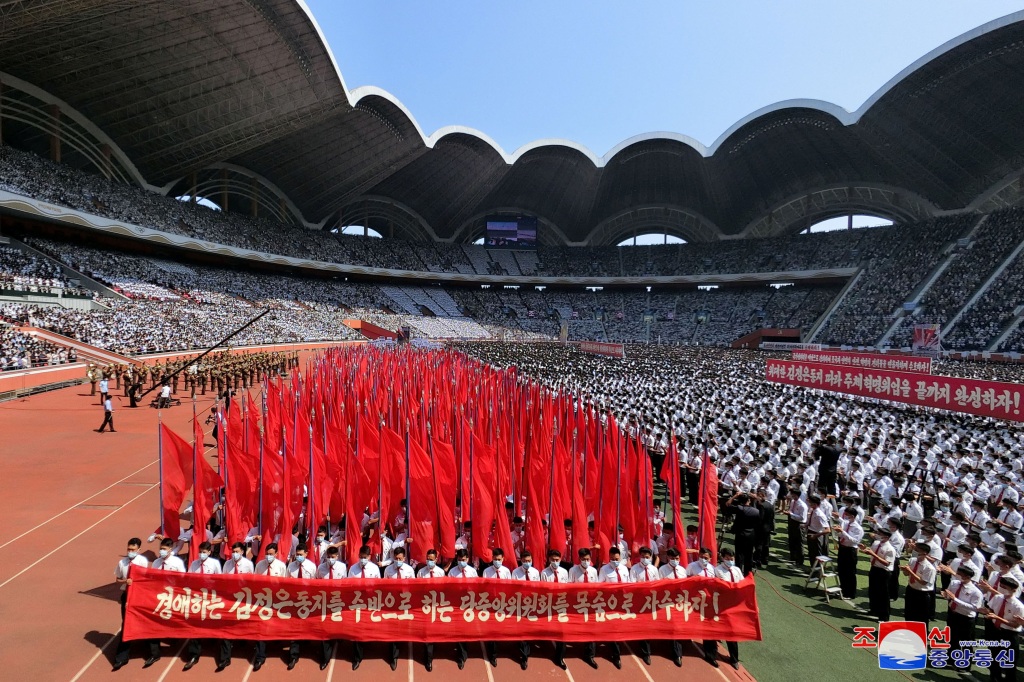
[431,563]
[527,565]
[363,560]
[585,563]
[730,563]
[270,558]
[300,558]
[613,562]
[164,553]
[132,555]
[1006,591]
[399,562]
[331,562]
[463,564]
[645,561]
[203,556]
[674,563]
[703,561]
[498,563]
[554,563]
[237,556]
[320,538]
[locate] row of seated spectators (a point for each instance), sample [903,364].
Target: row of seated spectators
[986,319]
[32,175]
[896,261]
[24,351]
[26,272]
[994,240]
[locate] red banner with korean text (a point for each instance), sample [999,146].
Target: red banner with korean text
[612,350]
[890,363]
[971,396]
[165,605]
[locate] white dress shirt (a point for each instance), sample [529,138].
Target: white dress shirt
[172,562]
[667,571]
[369,571]
[243,565]
[427,572]
[499,573]
[305,569]
[613,574]
[121,570]
[640,573]
[695,568]
[522,573]
[554,575]
[327,572]
[396,572]
[208,566]
[278,569]
[577,574]
[457,571]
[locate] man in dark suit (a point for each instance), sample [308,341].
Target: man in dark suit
[827,455]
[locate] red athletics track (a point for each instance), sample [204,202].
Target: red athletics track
[70,498]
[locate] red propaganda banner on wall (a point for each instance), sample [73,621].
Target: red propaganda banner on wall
[185,605]
[891,363]
[985,398]
[614,350]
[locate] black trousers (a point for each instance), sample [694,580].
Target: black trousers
[745,552]
[997,672]
[945,578]
[124,649]
[461,651]
[796,543]
[108,419]
[524,650]
[559,651]
[693,487]
[815,546]
[846,568]
[327,650]
[894,581]
[195,648]
[961,628]
[878,592]
[919,606]
[762,547]
[357,651]
[711,650]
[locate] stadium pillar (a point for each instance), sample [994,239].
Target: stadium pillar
[1,112]
[55,135]
[282,209]
[849,222]
[252,197]
[193,180]
[224,189]
[107,167]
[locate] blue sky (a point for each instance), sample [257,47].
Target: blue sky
[599,72]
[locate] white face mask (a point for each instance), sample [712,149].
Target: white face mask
[554,563]
[585,563]
[612,562]
[498,563]
[674,563]
[300,558]
[363,560]
[431,563]
[703,561]
[1006,591]
[730,563]
[399,562]
[463,563]
[203,556]
[132,555]
[237,556]
[164,553]
[331,562]
[646,561]
[270,558]
[527,565]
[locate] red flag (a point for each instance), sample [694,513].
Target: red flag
[707,515]
[445,485]
[484,461]
[205,493]
[670,474]
[175,478]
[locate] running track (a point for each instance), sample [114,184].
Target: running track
[69,500]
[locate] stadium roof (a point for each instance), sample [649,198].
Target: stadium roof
[180,86]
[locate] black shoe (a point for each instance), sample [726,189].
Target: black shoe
[617,663]
[393,664]
[291,663]
[150,661]
[222,666]
[462,663]
[524,663]
[358,662]
[735,663]
[678,660]
[190,664]
[591,662]
[118,665]
[560,663]
[324,664]
[646,659]
[257,665]
[712,662]
[493,660]
[429,665]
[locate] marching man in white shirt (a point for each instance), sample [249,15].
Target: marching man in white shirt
[702,566]
[496,571]
[364,569]
[671,570]
[121,577]
[300,569]
[584,572]
[615,572]
[206,565]
[528,573]
[850,535]
[237,564]
[644,571]
[398,570]
[554,573]
[728,571]
[797,519]
[883,558]
[275,567]
[964,601]
[462,570]
[430,571]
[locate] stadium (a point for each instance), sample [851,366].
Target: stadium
[203,227]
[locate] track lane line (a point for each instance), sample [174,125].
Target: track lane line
[95,656]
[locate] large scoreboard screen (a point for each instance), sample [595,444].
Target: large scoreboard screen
[511,231]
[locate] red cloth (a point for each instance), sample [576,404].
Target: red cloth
[707,514]
[175,479]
